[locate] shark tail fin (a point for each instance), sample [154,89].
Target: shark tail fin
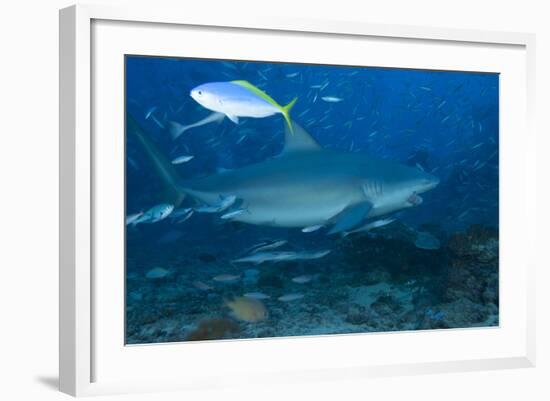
[165,170]
[285,110]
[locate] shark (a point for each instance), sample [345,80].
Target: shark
[305,185]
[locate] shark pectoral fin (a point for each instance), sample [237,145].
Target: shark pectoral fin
[233,118]
[351,217]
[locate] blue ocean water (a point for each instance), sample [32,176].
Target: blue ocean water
[182,282]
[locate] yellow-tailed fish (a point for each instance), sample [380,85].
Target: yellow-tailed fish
[239,99]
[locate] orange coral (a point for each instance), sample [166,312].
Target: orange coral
[213,329]
[480,242]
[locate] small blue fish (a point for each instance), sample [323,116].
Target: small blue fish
[257,295]
[225,203]
[311,229]
[332,99]
[232,214]
[478,145]
[290,297]
[133,217]
[182,159]
[181,215]
[180,212]
[149,112]
[157,273]
[370,226]
[306,278]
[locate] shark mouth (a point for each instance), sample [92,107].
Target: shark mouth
[414,199]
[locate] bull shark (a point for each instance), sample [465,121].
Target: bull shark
[304,186]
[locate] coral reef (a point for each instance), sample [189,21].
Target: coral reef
[478,243]
[378,281]
[472,277]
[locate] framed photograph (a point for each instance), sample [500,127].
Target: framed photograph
[320,200]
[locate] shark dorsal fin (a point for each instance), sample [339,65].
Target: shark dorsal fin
[299,140]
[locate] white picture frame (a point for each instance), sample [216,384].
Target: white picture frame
[78,158]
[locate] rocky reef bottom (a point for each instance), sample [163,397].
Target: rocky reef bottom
[373,282]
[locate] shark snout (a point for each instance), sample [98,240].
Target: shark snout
[423,185]
[434,181]
[426,183]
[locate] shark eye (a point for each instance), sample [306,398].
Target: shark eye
[200,93]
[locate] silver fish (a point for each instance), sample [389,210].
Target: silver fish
[133,217]
[257,295]
[312,228]
[149,112]
[160,125]
[157,273]
[275,257]
[176,129]
[225,203]
[180,212]
[232,214]
[370,226]
[290,297]
[202,286]
[181,215]
[267,246]
[478,145]
[332,99]
[306,278]
[182,159]
[226,278]
[155,214]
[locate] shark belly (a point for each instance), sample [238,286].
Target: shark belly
[386,209]
[298,199]
[302,205]
[285,215]
[289,202]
